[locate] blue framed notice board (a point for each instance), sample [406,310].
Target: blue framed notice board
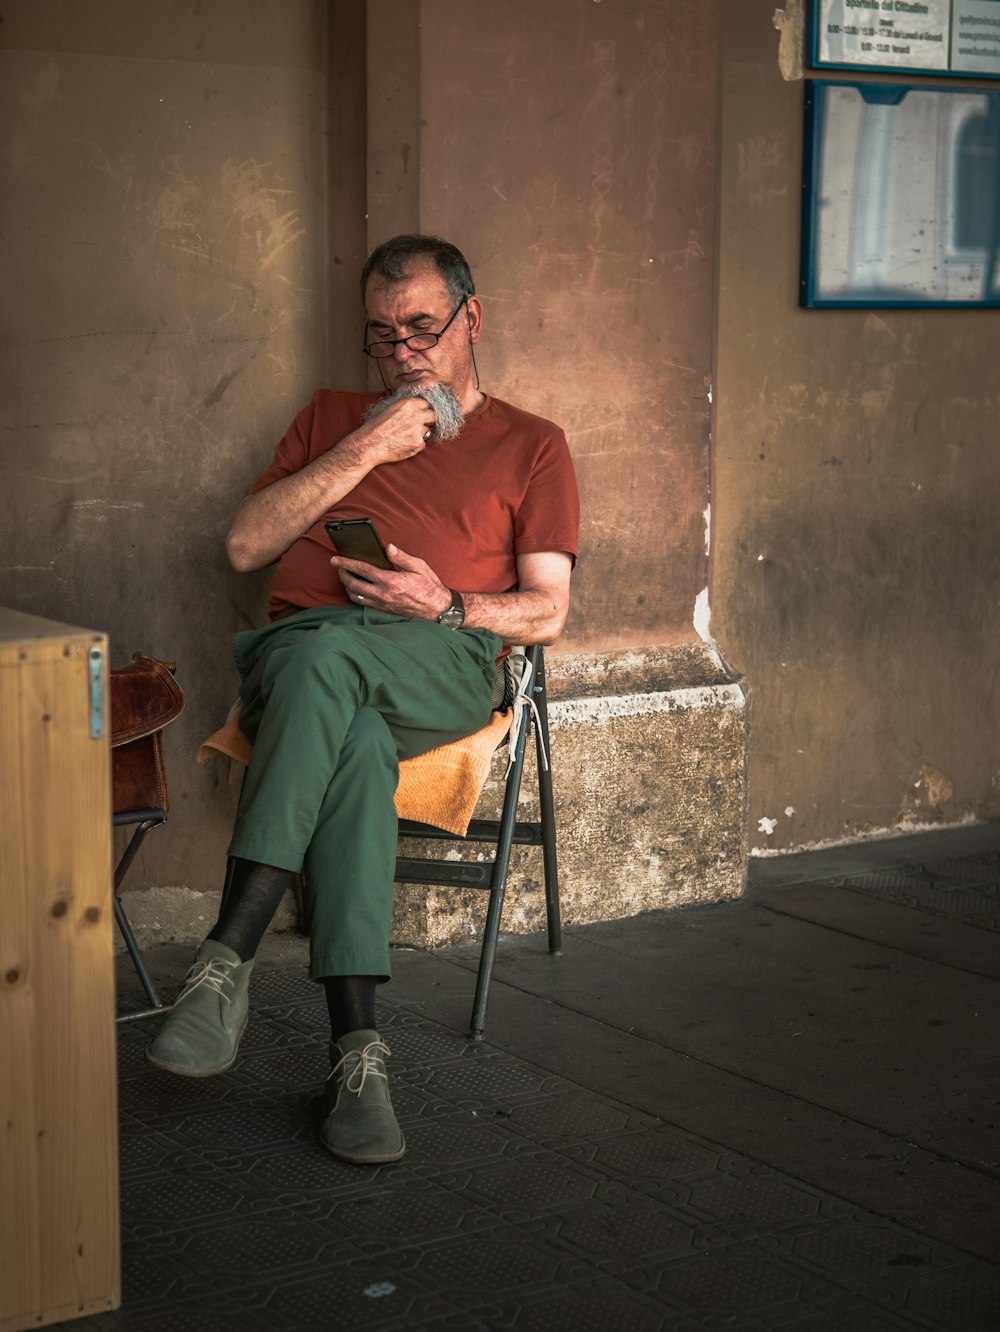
[901,195]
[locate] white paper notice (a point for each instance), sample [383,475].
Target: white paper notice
[902,34]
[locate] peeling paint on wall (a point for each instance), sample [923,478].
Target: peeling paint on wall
[870,834]
[703,616]
[791,23]
[929,793]
[572,711]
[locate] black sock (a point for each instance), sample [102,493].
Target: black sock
[350,1001]
[252,897]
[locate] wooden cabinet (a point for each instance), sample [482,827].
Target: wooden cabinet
[59,1228]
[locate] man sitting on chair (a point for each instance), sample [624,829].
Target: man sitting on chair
[362,667]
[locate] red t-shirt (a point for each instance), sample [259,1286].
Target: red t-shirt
[505,487]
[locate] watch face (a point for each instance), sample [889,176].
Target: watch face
[453,618]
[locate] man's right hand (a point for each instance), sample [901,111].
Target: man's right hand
[398,432]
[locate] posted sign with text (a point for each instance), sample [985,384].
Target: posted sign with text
[933,36]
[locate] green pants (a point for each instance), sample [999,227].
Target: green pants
[333,698]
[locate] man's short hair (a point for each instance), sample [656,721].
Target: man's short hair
[392,259]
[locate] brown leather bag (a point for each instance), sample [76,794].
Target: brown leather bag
[145,697]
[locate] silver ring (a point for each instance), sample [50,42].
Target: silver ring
[360,597]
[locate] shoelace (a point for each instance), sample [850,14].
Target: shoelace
[365,1063]
[522,700]
[214,973]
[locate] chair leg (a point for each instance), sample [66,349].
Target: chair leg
[122,868]
[498,888]
[135,842]
[548,818]
[135,954]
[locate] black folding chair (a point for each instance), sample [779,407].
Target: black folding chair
[144,697]
[503,834]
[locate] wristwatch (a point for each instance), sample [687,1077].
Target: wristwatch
[454,616]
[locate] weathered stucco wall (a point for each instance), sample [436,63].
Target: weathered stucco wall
[189,196]
[599,176]
[572,148]
[163,204]
[856,505]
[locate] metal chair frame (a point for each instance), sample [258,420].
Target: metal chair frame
[146,820]
[503,833]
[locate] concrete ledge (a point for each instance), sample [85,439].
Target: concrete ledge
[649,752]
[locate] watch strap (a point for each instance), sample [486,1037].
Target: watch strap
[454,616]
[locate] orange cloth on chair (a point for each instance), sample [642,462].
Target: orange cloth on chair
[440,787]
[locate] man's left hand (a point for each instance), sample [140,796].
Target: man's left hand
[410,587]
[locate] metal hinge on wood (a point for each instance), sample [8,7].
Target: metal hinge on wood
[95,672]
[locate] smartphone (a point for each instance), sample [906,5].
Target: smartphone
[356,539]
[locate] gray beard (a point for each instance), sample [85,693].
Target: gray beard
[442,400]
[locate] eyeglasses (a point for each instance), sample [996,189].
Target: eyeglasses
[415,342]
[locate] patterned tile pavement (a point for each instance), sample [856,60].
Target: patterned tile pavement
[524,1201]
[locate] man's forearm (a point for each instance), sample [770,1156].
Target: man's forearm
[518,618]
[268,522]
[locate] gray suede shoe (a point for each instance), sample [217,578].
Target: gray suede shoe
[201,1033]
[360,1126]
